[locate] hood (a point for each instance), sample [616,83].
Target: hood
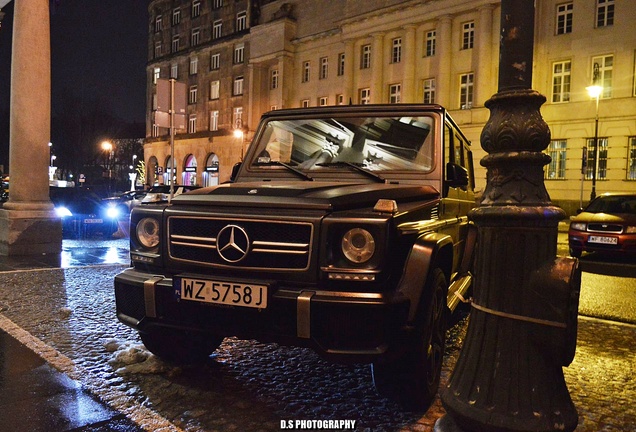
[616,218]
[326,196]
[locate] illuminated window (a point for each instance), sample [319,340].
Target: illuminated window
[341,64]
[429,90]
[239,54]
[466,82]
[274,79]
[214,120]
[215,89]
[601,173]
[555,170]
[395,93]
[195,39]
[241,21]
[196,8]
[215,61]
[396,50]
[604,13]
[217,29]
[238,86]
[430,43]
[306,71]
[468,35]
[158,23]
[324,68]
[631,159]
[365,57]
[564,18]
[194,65]
[365,96]
[561,81]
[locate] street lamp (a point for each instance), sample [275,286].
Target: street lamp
[108,147]
[132,175]
[595,91]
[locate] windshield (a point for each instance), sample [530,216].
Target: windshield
[613,204]
[372,143]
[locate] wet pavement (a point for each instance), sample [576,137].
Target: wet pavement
[81,369]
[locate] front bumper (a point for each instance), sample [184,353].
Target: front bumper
[341,326]
[625,243]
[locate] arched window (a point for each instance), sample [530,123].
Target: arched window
[166,171]
[190,171]
[211,173]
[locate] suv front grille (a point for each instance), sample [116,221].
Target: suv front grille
[240,243]
[605,228]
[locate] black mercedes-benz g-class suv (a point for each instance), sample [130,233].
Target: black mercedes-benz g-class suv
[344,229]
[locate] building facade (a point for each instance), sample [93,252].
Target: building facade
[241,58]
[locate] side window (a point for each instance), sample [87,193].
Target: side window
[457,151]
[448,144]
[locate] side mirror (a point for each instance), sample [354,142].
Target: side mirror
[456,175]
[235,169]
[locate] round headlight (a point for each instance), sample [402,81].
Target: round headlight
[148,232]
[358,245]
[579,226]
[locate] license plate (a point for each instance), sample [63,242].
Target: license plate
[228,293]
[90,221]
[603,240]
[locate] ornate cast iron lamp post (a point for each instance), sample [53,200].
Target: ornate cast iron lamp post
[595,91]
[522,326]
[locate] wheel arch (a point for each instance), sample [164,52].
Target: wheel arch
[430,251]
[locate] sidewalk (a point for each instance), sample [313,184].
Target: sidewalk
[34,396]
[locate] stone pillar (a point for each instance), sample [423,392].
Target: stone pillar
[377,63]
[523,322]
[28,225]
[483,58]
[444,55]
[409,92]
[350,60]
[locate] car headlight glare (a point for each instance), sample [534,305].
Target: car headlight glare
[579,226]
[630,229]
[358,245]
[112,212]
[148,232]
[62,212]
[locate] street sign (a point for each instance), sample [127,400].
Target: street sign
[163,96]
[162,119]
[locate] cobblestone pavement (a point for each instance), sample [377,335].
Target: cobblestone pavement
[249,386]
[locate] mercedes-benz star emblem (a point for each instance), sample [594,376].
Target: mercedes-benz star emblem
[232,243]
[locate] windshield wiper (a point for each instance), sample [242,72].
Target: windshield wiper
[357,167]
[289,167]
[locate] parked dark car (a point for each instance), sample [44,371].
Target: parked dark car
[82,213]
[344,230]
[606,225]
[119,207]
[161,193]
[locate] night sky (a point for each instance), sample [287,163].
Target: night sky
[98,52]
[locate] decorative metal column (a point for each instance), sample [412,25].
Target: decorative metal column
[523,321]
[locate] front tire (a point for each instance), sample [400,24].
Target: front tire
[180,347]
[413,379]
[576,253]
